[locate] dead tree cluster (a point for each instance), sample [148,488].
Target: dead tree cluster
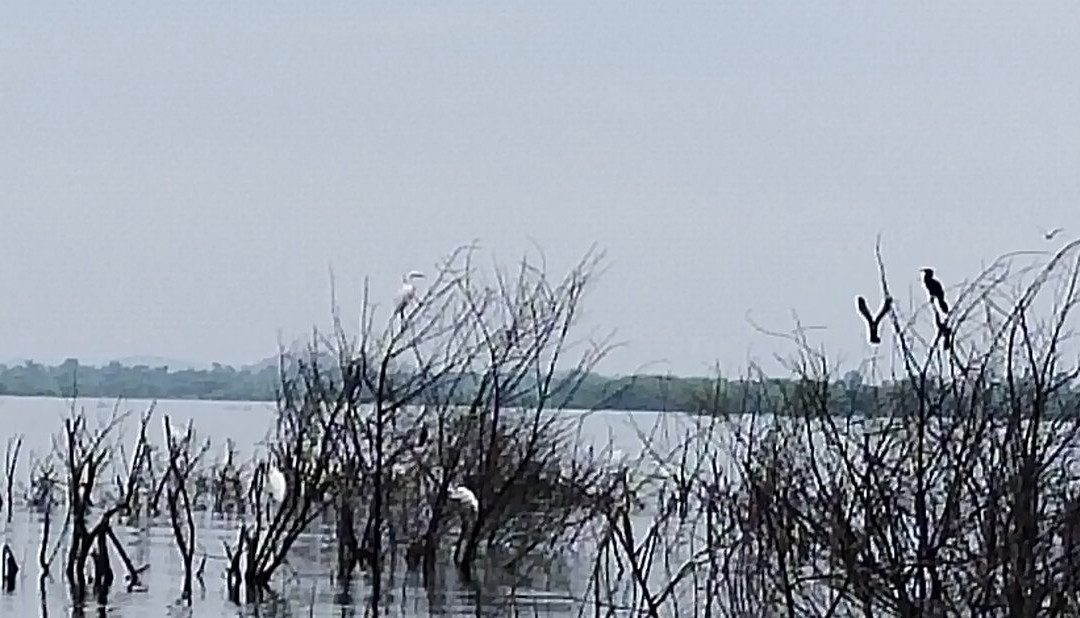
[303,451]
[184,453]
[377,431]
[85,453]
[940,481]
[430,438]
[457,391]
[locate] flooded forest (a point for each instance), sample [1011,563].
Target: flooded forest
[431,445]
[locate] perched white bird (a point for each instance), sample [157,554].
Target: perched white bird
[465,496]
[84,482]
[275,480]
[408,290]
[84,476]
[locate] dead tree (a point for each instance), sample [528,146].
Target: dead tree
[671,561]
[184,457]
[533,493]
[42,495]
[85,453]
[11,462]
[304,450]
[941,484]
[947,490]
[458,389]
[227,485]
[395,369]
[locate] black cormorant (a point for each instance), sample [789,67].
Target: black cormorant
[933,286]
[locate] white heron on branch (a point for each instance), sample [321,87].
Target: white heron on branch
[275,481]
[408,291]
[465,496]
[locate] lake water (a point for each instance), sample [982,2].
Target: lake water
[306,589]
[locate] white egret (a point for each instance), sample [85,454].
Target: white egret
[466,497]
[408,290]
[275,480]
[84,484]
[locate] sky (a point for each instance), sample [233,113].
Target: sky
[177,177]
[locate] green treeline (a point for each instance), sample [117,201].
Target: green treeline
[222,382]
[588,391]
[139,382]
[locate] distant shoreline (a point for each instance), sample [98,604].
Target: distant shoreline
[258,383]
[123,398]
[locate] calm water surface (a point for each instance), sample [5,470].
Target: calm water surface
[306,589]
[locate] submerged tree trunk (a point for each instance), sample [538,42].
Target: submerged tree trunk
[73,570]
[348,552]
[103,573]
[9,569]
[234,574]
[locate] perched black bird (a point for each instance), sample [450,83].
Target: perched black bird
[933,286]
[873,322]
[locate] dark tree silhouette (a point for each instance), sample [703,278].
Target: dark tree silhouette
[873,322]
[948,491]
[9,569]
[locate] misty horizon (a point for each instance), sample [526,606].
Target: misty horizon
[177,179]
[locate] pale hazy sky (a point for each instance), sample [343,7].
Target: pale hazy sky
[175,177]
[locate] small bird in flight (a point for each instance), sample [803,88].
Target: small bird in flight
[1052,233]
[873,322]
[933,286]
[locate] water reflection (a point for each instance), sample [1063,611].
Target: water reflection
[304,590]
